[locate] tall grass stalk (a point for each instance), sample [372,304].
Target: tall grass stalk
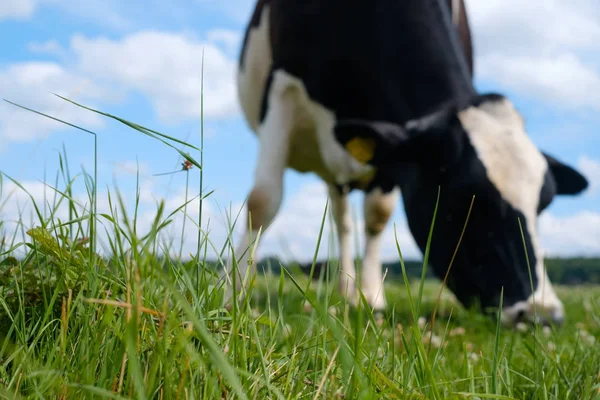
[201,183]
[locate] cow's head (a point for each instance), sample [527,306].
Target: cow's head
[481,151]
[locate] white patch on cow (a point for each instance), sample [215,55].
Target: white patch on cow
[257,61]
[517,169]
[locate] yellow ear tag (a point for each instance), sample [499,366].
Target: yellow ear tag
[362,149]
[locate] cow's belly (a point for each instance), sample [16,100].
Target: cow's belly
[313,147]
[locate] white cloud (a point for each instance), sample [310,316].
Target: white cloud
[511,26]
[573,235]
[113,14]
[16,201]
[590,168]
[231,40]
[237,10]
[30,84]
[51,47]
[132,167]
[539,48]
[165,67]
[17,9]
[563,79]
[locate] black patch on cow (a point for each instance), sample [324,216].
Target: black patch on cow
[383,60]
[384,179]
[491,97]
[548,191]
[265,96]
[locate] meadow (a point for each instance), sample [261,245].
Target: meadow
[138,323]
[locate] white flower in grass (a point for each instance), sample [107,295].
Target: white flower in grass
[522,327]
[435,340]
[307,307]
[399,329]
[458,331]
[586,337]
[547,331]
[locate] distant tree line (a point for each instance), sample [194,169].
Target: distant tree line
[565,271]
[573,271]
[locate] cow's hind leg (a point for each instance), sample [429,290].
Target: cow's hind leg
[267,193]
[378,208]
[343,221]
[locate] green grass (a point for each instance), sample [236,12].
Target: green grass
[138,324]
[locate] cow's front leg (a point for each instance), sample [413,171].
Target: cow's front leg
[341,214]
[267,192]
[378,208]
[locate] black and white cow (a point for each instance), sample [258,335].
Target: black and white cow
[378,96]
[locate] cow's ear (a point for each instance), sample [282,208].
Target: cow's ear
[436,138]
[373,143]
[568,180]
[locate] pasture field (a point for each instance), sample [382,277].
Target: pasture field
[144,330]
[139,324]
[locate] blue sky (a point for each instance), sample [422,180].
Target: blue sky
[141,60]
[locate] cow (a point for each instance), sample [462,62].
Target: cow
[378,96]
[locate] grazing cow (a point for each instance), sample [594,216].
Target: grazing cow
[378,95]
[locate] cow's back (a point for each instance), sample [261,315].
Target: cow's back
[384,59]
